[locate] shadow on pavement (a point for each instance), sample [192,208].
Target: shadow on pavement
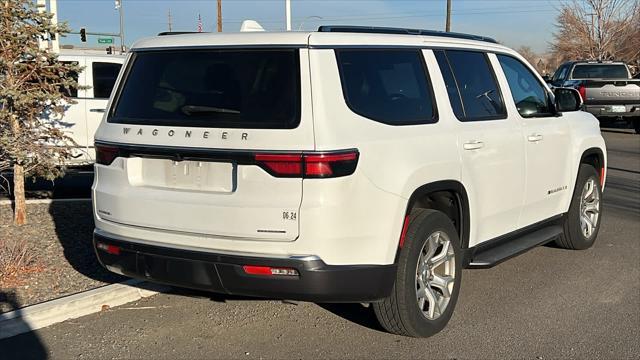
[353,312]
[74,229]
[23,346]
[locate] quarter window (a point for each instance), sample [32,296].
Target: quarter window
[388,86]
[104,77]
[476,85]
[529,95]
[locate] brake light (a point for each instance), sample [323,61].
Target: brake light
[309,165]
[105,154]
[583,92]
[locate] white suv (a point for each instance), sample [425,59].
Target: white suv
[345,165]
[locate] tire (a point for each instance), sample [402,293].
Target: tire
[577,234]
[636,125]
[400,313]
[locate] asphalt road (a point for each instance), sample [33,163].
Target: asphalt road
[547,303]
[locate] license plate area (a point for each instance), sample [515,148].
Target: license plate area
[193,175]
[618,108]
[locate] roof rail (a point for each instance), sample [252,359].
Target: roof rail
[165,33]
[402,31]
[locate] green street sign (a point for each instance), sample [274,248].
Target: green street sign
[105,40]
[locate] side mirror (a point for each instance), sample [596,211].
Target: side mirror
[567,99]
[546,78]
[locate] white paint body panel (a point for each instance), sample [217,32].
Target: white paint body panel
[355,219]
[81,120]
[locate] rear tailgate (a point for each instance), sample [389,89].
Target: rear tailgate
[178,150]
[612,92]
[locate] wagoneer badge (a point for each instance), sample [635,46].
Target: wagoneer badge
[203,134]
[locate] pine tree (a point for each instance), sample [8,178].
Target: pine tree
[34,88]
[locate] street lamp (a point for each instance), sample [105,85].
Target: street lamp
[119,8]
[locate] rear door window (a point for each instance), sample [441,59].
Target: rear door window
[211,88]
[104,77]
[476,85]
[387,86]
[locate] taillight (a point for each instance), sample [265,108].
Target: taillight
[309,165]
[583,92]
[105,154]
[281,164]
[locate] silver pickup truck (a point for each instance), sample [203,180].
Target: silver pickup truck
[606,87]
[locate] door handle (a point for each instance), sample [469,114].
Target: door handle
[97,110]
[473,145]
[534,137]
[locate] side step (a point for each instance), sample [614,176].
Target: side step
[491,254]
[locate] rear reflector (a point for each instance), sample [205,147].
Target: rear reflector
[110,249]
[602,173]
[105,154]
[405,227]
[269,271]
[309,165]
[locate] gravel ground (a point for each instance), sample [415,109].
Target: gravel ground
[59,236]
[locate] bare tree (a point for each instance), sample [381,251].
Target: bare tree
[597,29]
[32,98]
[533,58]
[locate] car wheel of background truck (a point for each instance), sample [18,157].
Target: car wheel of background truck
[428,278]
[636,125]
[582,222]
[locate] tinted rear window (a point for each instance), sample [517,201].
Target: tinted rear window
[212,88]
[600,72]
[388,86]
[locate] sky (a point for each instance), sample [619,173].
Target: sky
[513,22]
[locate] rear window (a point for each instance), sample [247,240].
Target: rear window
[211,88]
[600,72]
[388,86]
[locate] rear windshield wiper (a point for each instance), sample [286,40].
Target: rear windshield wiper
[197,109]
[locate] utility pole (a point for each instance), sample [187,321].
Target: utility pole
[169,20]
[219,15]
[287,5]
[448,25]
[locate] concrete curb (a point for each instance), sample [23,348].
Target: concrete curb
[45,201]
[73,306]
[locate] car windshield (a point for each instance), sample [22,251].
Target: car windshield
[211,88]
[600,71]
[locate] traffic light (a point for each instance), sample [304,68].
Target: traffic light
[83,35]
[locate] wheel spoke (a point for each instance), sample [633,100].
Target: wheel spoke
[592,206]
[589,189]
[442,283]
[587,225]
[433,303]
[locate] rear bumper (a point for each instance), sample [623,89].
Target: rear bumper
[606,111]
[223,273]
